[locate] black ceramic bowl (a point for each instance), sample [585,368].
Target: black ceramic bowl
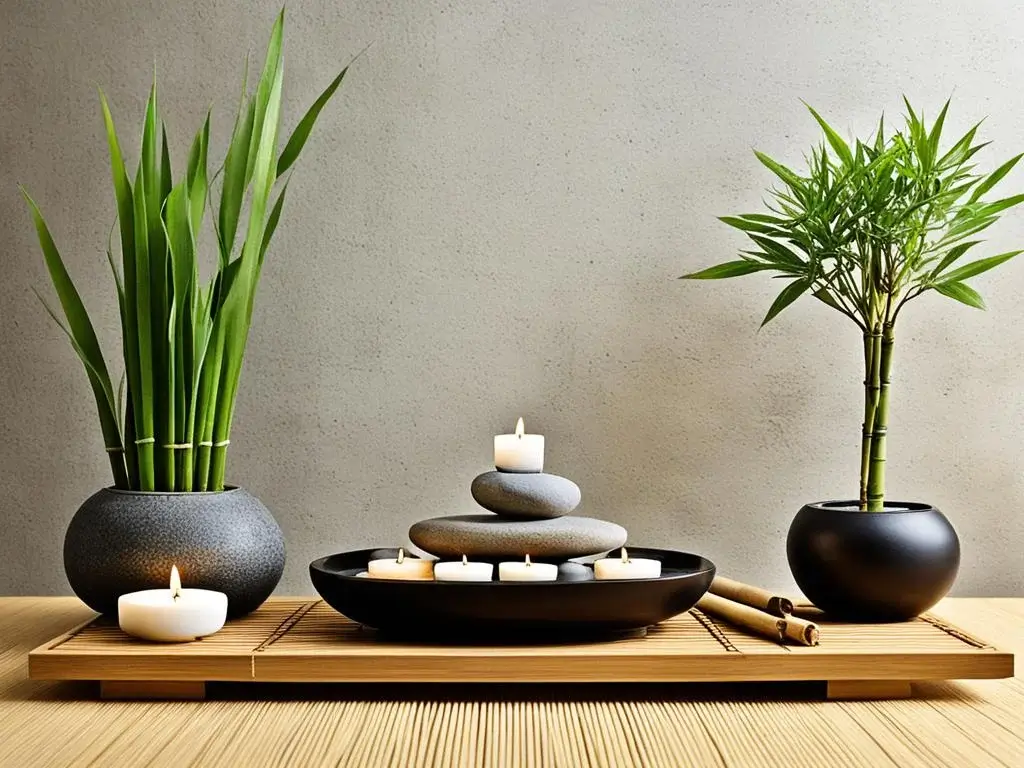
[451,609]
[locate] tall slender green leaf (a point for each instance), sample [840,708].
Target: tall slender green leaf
[80,330]
[297,141]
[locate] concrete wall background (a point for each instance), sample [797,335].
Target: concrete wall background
[487,224]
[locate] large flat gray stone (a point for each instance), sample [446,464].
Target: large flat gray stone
[490,536]
[531,496]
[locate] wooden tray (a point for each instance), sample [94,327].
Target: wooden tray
[304,640]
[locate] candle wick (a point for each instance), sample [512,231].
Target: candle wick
[465,560]
[401,556]
[528,563]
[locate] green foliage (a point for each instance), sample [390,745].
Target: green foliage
[183,340]
[868,227]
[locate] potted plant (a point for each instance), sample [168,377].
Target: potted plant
[167,426]
[866,229]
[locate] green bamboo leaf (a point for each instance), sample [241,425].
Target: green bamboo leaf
[301,133]
[952,255]
[196,175]
[272,220]
[825,296]
[779,251]
[977,267]
[936,134]
[271,67]
[962,293]
[789,294]
[728,269]
[83,337]
[791,179]
[990,209]
[746,224]
[144,426]
[234,183]
[839,146]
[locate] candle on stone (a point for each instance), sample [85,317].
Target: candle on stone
[519,452]
[173,615]
[626,567]
[463,571]
[527,571]
[401,568]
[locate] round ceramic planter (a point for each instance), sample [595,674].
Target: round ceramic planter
[125,541]
[873,566]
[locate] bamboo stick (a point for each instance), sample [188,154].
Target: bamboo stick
[743,616]
[750,595]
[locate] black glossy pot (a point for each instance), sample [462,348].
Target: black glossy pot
[125,541]
[873,566]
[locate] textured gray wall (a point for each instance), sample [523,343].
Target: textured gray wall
[487,224]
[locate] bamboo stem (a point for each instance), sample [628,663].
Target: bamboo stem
[869,420]
[876,480]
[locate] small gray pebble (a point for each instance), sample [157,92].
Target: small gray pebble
[575,572]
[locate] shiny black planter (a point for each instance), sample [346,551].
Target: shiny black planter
[873,566]
[125,541]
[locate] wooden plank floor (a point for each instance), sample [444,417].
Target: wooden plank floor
[977,723]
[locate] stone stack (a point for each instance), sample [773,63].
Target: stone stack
[530,514]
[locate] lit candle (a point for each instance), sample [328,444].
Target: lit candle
[402,568]
[527,571]
[464,571]
[519,452]
[172,615]
[626,567]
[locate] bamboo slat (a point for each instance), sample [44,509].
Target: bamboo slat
[976,723]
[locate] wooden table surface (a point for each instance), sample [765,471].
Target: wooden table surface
[964,724]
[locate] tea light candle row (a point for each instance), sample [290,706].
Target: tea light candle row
[414,569]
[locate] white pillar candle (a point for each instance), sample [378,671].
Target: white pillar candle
[402,568]
[172,615]
[463,571]
[626,567]
[527,571]
[519,452]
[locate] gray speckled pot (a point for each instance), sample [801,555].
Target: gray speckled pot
[124,541]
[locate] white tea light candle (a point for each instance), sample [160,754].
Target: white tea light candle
[173,615]
[463,571]
[626,567]
[402,568]
[527,571]
[519,452]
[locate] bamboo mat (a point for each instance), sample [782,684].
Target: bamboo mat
[980,723]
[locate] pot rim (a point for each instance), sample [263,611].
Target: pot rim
[890,507]
[129,492]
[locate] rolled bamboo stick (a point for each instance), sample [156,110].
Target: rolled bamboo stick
[751,619]
[744,616]
[801,631]
[750,595]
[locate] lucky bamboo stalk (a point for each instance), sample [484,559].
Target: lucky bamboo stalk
[867,228]
[183,342]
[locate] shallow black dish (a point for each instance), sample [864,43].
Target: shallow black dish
[459,610]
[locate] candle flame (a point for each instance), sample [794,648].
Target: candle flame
[528,563]
[465,560]
[175,583]
[401,556]
[625,555]
[520,429]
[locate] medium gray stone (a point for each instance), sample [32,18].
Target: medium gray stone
[489,536]
[575,572]
[532,495]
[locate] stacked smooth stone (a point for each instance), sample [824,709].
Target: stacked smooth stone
[528,513]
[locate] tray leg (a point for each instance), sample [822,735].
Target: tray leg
[868,689]
[179,690]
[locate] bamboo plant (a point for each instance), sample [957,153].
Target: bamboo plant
[867,228]
[168,426]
